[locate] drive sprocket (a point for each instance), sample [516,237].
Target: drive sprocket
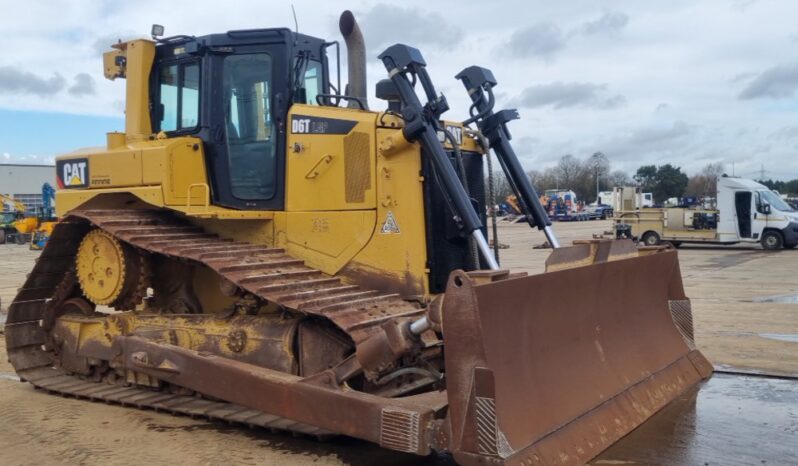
[111,272]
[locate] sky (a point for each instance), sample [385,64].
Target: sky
[681,82]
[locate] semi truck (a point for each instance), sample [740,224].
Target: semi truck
[745,212]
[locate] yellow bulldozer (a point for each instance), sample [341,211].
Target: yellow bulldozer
[260,246]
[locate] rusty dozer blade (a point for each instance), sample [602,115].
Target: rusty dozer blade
[554,368]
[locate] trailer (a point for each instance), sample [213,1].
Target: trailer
[563,206]
[745,212]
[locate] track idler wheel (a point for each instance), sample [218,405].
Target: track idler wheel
[110,272]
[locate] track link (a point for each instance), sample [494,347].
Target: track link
[268,273]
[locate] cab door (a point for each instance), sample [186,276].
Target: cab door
[246,140]
[760,217]
[743,204]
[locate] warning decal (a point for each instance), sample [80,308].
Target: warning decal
[390,226]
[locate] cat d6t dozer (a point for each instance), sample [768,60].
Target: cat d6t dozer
[252,250]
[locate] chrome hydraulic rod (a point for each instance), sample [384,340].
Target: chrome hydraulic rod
[422,125]
[479,83]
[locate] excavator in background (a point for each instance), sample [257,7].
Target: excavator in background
[276,253]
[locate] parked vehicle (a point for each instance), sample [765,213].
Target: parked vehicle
[601,211]
[746,212]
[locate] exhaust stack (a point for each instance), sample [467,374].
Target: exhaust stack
[356,53]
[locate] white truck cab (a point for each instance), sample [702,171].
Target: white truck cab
[745,212]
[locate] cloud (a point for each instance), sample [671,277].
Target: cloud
[609,23]
[33,159]
[84,85]
[742,5]
[564,95]
[16,81]
[541,40]
[385,25]
[778,82]
[785,133]
[658,135]
[545,39]
[103,44]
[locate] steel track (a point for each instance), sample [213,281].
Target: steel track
[268,273]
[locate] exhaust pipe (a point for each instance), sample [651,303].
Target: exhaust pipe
[356,53]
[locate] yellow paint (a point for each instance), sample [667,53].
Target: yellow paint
[316,174]
[326,240]
[140,54]
[671,224]
[26,225]
[101,267]
[18,205]
[354,202]
[401,256]
[206,288]
[188,331]
[250,230]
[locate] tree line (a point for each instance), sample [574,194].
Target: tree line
[589,175]
[789,188]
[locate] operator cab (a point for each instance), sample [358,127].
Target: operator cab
[233,91]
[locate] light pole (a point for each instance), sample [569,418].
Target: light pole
[597,187]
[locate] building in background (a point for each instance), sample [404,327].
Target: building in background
[24,183]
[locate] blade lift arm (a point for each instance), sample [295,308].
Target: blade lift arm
[479,83]
[422,124]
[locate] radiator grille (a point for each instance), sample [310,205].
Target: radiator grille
[357,169]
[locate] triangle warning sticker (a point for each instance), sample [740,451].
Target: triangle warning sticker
[390,226]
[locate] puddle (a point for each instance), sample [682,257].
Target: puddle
[729,420]
[790,337]
[8,376]
[784,298]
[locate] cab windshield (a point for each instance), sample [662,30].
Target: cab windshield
[775,201]
[7,217]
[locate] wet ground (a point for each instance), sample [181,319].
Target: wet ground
[746,320]
[731,420]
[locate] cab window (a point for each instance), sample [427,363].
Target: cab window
[249,126]
[179,96]
[313,81]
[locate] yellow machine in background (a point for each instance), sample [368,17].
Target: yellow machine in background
[15,226]
[36,229]
[305,266]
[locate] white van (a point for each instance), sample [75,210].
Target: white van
[757,213]
[746,212]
